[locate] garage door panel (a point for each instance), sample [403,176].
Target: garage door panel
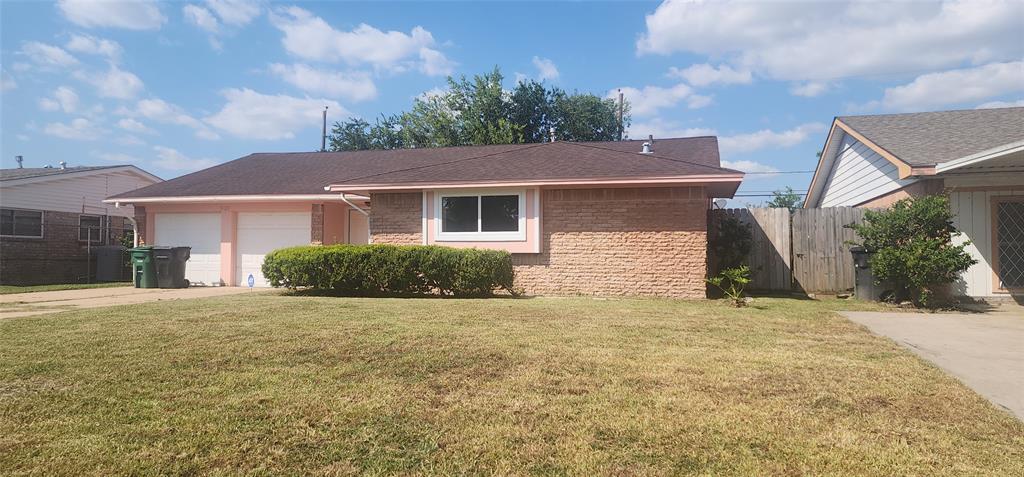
[260,233]
[199,231]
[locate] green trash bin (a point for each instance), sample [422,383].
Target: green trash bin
[144,267]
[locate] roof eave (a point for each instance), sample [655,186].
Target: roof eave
[980,157]
[225,198]
[609,181]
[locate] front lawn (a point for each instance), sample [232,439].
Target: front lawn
[268,384]
[11,289]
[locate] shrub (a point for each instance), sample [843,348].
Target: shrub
[732,281]
[912,245]
[390,269]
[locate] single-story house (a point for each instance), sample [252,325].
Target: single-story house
[974,156]
[52,217]
[600,218]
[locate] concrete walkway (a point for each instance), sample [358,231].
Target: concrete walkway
[985,351]
[28,304]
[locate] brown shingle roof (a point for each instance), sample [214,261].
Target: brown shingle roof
[923,139]
[309,173]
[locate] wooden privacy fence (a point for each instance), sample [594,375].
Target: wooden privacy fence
[803,251]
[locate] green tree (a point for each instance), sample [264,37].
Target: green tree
[480,111]
[785,199]
[912,247]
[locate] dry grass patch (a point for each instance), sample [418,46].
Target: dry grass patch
[284,384]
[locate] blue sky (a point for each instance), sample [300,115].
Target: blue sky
[174,87]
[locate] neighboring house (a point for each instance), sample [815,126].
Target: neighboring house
[579,218]
[974,156]
[50,218]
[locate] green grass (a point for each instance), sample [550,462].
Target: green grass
[10,289]
[271,384]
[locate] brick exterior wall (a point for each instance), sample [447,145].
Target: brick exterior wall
[396,218]
[632,242]
[917,189]
[605,242]
[316,232]
[58,257]
[140,221]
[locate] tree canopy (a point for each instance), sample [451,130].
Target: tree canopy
[480,111]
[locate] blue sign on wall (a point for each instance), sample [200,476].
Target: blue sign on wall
[252,281]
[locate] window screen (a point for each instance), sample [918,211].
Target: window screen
[21,223]
[1010,243]
[499,213]
[459,214]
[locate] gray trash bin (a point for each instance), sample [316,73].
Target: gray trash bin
[110,263]
[864,279]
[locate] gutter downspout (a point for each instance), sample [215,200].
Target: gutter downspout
[135,226]
[354,206]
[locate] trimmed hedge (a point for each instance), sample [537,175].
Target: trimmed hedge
[390,269]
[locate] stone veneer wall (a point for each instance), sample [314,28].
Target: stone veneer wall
[605,242]
[396,218]
[634,242]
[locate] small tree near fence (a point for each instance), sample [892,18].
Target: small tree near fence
[912,247]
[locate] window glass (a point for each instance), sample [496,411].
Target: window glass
[24,223]
[458,214]
[90,224]
[499,213]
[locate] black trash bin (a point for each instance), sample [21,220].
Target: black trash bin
[163,258]
[865,287]
[181,255]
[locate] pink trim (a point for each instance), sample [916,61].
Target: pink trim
[530,245]
[695,179]
[228,241]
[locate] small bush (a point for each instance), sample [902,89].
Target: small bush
[390,269]
[732,281]
[913,247]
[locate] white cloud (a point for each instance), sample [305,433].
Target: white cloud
[647,101]
[171,159]
[130,14]
[546,69]
[235,12]
[7,82]
[1001,104]
[129,140]
[704,74]
[64,99]
[661,128]
[434,63]
[201,18]
[251,115]
[353,85]
[766,138]
[79,129]
[809,89]
[47,55]
[113,83]
[749,166]
[91,45]
[129,124]
[955,87]
[156,109]
[311,37]
[799,41]
[116,157]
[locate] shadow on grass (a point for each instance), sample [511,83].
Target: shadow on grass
[422,296]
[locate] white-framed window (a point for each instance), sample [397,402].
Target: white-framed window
[21,223]
[91,228]
[486,216]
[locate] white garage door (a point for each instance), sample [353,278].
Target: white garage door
[259,233]
[199,231]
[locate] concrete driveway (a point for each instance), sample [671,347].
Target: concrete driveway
[28,304]
[985,351]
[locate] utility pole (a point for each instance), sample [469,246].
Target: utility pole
[323,133]
[621,114]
